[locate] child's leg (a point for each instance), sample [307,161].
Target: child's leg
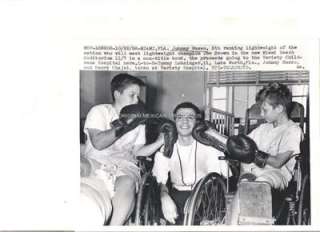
[275,178]
[123,200]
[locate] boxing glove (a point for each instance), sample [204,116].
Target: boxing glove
[168,128]
[244,149]
[205,133]
[130,117]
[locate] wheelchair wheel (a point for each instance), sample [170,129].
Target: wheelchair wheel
[148,202]
[304,203]
[207,203]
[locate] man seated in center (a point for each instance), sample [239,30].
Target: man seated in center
[190,161]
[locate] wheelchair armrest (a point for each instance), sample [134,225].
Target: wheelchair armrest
[143,158]
[232,161]
[298,157]
[226,158]
[145,163]
[149,159]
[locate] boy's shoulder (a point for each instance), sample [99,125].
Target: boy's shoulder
[294,126]
[290,125]
[102,111]
[264,126]
[102,108]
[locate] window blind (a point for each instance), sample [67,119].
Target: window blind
[257,77]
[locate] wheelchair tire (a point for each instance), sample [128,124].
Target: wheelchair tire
[304,210]
[207,202]
[148,202]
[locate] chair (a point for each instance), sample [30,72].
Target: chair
[296,114]
[295,208]
[253,118]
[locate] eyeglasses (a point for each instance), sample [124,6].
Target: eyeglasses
[180,117]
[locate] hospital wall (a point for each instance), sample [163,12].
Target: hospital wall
[163,92]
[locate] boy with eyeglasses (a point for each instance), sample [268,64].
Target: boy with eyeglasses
[189,162]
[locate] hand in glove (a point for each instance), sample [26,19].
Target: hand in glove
[130,117]
[244,149]
[205,133]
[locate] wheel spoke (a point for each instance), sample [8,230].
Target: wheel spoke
[209,206]
[304,203]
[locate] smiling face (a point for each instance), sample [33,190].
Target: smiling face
[128,96]
[185,119]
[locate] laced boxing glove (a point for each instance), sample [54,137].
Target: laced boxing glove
[168,128]
[244,149]
[205,133]
[130,117]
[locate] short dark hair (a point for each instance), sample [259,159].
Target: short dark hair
[188,105]
[260,96]
[279,94]
[122,81]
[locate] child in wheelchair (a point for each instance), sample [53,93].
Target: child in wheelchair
[266,154]
[113,144]
[191,160]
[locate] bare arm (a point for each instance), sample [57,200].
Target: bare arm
[290,144]
[168,206]
[280,159]
[163,190]
[292,140]
[102,139]
[149,149]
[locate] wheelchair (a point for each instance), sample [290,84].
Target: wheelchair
[207,202]
[96,207]
[205,206]
[145,212]
[295,208]
[294,202]
[210,200]
[148,207]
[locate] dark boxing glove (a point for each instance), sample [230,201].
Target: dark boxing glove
[130,117]
[204,132]
[241,148]
[244,149]
[260,158]
[168,128]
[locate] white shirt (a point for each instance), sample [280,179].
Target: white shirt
[188,164]
[100,117]
[275,140]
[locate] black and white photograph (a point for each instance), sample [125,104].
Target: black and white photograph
[194,148]
[194,115]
